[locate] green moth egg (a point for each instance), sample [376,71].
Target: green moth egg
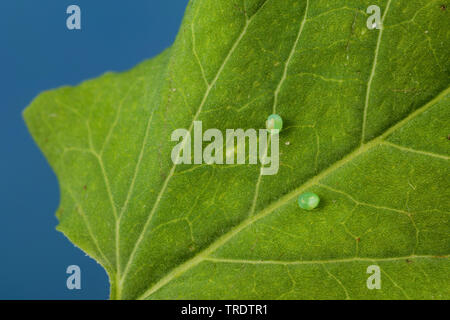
[308,200]
[274,123]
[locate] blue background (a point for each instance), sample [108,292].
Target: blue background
[38,52]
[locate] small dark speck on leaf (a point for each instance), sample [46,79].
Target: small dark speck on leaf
[84,187]
[443,7]
[281,255]
[448,137]
[358,239]
[408,261]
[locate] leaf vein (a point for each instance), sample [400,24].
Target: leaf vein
[325,261]
[372,74]
[425,153]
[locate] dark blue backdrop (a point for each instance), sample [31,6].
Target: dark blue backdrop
[38,52]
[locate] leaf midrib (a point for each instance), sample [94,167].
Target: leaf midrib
[201,256]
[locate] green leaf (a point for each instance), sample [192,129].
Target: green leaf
[366,123]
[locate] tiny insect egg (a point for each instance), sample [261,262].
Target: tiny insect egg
[308,200]
[274,123]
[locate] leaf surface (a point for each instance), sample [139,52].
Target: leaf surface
[366,123]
